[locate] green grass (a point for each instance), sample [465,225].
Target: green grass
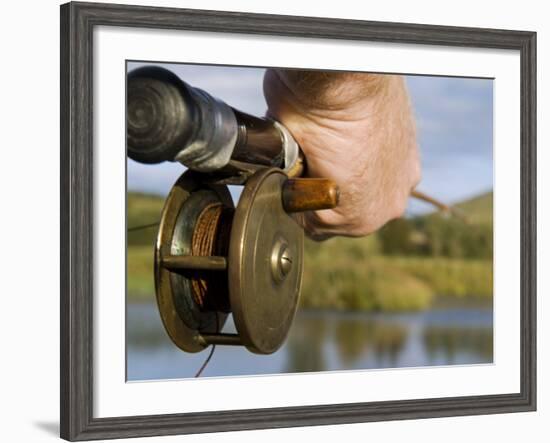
[340,275]
[449,277]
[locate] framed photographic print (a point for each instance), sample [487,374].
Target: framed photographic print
[273,221]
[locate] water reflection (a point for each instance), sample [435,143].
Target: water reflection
[321,340]
[388,341]
[352,338]
[452,341]
[305,346]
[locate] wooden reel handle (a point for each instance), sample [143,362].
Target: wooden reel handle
[309,194]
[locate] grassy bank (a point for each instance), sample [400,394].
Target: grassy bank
[391,283]
[341,273]
[340,281]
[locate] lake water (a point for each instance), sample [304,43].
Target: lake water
[321,341]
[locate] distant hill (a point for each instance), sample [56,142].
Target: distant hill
[479,210]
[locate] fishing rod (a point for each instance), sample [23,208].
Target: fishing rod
[212,258]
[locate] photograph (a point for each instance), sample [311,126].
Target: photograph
[283,220]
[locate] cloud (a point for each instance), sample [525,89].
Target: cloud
[454,111]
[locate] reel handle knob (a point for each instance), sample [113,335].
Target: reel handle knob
[309,194]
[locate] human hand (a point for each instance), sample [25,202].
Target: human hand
[356,129]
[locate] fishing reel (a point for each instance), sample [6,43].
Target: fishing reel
[212,258]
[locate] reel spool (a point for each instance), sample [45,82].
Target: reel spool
[212,259]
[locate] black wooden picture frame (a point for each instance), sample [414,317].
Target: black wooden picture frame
[77,24]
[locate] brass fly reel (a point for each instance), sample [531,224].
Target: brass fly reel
[212,258]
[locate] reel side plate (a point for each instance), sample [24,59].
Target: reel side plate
[265,263]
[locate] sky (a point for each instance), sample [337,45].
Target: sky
[454,118]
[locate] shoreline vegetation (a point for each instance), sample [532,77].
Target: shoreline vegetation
[408,265]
